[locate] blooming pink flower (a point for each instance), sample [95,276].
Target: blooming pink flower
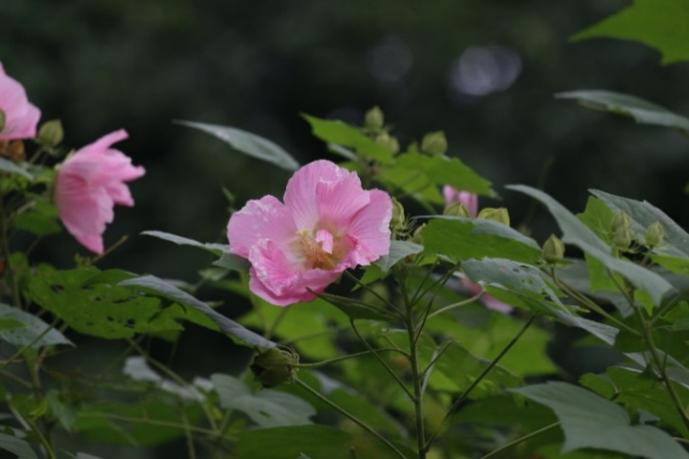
[21,117]
[469,199]
[328,223]
[89,184]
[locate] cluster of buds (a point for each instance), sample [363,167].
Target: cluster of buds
[374,126]
[622,234]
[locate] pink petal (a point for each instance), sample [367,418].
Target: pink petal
[265,218]
[370,229]
[326,240]
[320,181]
[470,200]
[21,117]
[492,303]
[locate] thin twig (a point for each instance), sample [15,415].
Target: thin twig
[520,440]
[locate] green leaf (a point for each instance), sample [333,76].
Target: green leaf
[590,421]
[12,168]
[89,302]
[660,24]
[578,234]
[399,250]
[20,448]
[217,249]
[420,175]
[85,456]
[353,308]
[31,329]
[316,441]
[227,326]
[640,110]
[41,219]
[463,238]
[247,143]
[340,133]
[138,369]
[267,407]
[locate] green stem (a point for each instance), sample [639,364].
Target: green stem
[478,380]
[348,356]
[521,439]
[456,305]
[350,416]
[153,422]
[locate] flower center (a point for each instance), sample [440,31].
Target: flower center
[320,249]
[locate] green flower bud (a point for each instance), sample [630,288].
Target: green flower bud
[388,142]
[499,214]
[51,133]
[2,120]
[374,118]
[621,229]
[417,236]
[553,249]
[655,233]
[434,143]
[397,222]
[456,209]
[275,366]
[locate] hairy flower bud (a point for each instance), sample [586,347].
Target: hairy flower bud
[499,214]
[434,143]
[622,230]
[553,249]
[388,142]
[397,222]
[51,133]
[374,118]
[275,366]
[456,209]
[655,233]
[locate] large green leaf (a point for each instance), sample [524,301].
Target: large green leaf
[340,133]
[247,143]
[89,302]
[590,421]
[20,448]
[31,330]
[420,176]
[661,24]
[266,407]
[463,238]
[227,326]
[40,219]
[640,110]
[577,233]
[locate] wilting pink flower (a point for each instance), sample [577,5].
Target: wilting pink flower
[328,223]
[469,199]
[21,117]
[89,184]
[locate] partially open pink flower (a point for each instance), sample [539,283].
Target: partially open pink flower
[470,200]
[21,117]
[89,184]
[328,223]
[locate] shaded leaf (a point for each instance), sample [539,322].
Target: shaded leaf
[247,143]
[12,168]
[41,219]
[590,421]
[20,448]
[138,369]
[29,330]
[399,250]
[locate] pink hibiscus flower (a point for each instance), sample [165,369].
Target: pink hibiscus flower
[328,223]
[89,184]
[21,117]
[469,199]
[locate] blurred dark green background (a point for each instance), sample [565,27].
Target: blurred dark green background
[483,71]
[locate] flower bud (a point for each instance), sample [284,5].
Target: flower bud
[374,118]
[499,214]
[553,249]
[275,366]
[417,237]
[655,233]
[622,230]
[456,209]
[434,143]
[51,133]
[397,222]
[388,142]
